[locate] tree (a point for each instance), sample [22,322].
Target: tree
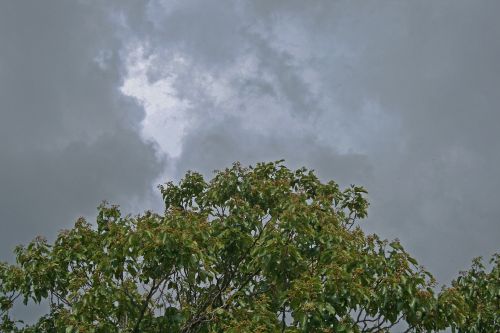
[480,290]
[257,249]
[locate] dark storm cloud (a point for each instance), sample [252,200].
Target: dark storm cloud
[68,137]
[441,76]
[219,144]
[402,97]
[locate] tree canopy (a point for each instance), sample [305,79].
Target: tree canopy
[254,249]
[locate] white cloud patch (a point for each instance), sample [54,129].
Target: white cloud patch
[165,118]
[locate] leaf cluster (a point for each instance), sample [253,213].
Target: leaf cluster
[255,249]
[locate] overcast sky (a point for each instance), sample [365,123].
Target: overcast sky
[104,100]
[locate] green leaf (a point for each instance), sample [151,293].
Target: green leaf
[234,253]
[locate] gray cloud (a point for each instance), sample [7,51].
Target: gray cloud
[68,137]
[219,144]
[434,66]
[399,96]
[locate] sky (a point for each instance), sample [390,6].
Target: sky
[106,100]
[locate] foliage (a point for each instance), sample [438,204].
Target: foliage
[480,290]
[258,249]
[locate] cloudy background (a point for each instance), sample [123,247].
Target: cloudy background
[104,100]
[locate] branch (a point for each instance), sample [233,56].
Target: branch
[11,302]
[153,289]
